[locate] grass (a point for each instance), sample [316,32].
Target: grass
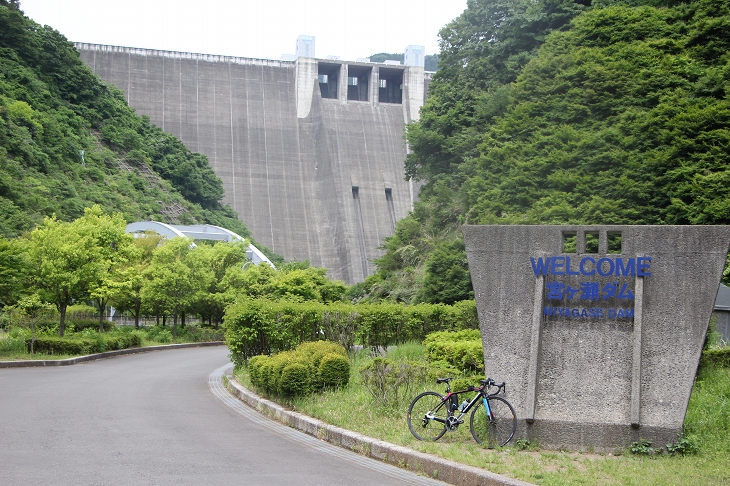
[707,427]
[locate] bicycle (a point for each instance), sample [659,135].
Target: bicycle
[493,421]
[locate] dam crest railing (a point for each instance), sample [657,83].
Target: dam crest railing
[184,55]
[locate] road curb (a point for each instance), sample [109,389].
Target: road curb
[107,354]
[428,465]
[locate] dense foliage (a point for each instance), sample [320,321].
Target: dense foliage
[263,326]
[310,367]
[563,112]
[93,260]
[69,141]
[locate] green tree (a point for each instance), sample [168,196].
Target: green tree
[549,112]
[173,279]
[130,277]
[31,308]
[64,262]
[114,247]
[447,278]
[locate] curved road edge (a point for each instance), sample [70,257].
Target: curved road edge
[107,354]
[432,466]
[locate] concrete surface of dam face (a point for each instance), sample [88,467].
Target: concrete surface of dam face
[311,152]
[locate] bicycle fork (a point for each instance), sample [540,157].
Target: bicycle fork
[488,410]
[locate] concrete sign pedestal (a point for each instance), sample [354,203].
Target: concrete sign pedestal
[597,330]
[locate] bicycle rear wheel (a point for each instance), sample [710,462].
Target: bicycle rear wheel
[497,430]
[421,414]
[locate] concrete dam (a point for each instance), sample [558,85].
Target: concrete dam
[311,152]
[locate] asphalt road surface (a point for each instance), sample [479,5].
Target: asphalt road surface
[153,418]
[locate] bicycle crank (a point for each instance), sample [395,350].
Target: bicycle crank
[452,423]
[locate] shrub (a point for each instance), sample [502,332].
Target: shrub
[461,350]
[715,357]
[389,381]
[255,365]
[58,345]
[202,334]
[295,380]
[269,373]
[83,345]
[314,351]
[158,333]
[260,326]
[79,325]
[334,370]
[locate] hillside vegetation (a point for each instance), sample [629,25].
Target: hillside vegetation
[563,112]
[69,141]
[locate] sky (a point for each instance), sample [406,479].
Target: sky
[262,29]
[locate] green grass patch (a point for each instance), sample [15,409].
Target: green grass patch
[707,427]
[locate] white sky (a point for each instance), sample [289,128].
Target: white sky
[263,29]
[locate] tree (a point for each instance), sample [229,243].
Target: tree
[130,278]
[447,278]
[220,260]
[173,279]
[64,262]
[115,252]
[32,308]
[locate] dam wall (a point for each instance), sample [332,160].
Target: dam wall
[311,152]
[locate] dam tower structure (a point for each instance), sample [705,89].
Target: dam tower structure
[311,151]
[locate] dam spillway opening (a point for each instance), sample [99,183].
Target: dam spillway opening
[390,89]
[358,82]
[328,76]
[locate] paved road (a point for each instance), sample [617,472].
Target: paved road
[152,419]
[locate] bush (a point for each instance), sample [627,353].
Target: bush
[460,350]
[295,380]
[334,370]
[260,326]
[58,345]
[390,382]
[255,365]
[715,357]
[78,325]
[326,364]
[200,334]
[159,333]
[83,345]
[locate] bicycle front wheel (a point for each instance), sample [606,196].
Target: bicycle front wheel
[496,430]
[423,413]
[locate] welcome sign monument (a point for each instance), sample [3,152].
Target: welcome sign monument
[597,330]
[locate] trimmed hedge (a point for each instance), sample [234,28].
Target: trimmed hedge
[312,366]
[260,326]
[83,346]
[461,350]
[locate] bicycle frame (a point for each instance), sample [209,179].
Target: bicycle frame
[482,392]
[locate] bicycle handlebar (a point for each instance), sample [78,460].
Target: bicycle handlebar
[485,385]
[489,383]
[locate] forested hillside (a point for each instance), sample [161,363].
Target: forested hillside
[564,112]
[69,141]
